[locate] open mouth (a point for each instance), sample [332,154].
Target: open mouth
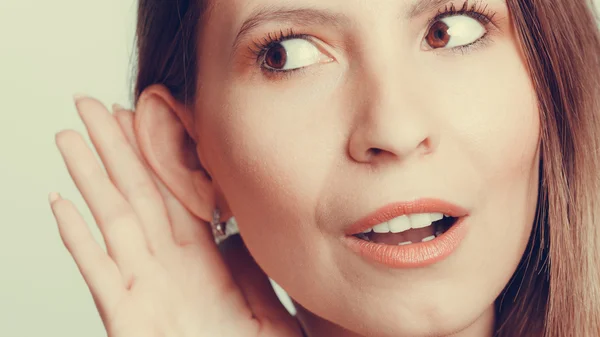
[409,229]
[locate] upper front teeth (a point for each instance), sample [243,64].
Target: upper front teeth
[406,222]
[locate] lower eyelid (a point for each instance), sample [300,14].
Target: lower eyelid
[274,74]
[282,75]
[482,42]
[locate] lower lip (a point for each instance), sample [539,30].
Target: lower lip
[414,255]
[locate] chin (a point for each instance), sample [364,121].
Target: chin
[417,328]
[433,319]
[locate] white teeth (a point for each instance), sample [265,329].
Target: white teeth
[406,222]
[429,238]
[436,216]
[382,228]
[399,224]
[420,220]
[404,243]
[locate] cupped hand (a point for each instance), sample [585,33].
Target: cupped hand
[162,274]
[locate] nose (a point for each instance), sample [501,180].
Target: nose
[390,122]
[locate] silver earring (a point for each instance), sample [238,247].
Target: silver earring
[223,230]
[218,227]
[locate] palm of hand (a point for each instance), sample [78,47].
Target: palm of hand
[165,300]
[162,274]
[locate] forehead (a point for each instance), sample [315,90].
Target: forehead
[254,12]
[253,7]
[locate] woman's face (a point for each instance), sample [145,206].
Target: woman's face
[314,114]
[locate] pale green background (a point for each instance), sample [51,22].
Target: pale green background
[50,49]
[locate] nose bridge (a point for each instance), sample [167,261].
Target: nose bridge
[390,119]
[387,63]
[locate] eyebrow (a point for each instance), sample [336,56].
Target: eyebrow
[298,16]
[421,7]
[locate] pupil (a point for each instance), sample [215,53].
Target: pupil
[439,35]
[276,57]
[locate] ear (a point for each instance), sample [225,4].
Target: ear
[166,134]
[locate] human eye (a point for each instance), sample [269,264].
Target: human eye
[286,52]
[458,29]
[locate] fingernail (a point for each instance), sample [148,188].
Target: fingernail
[78,96]
[52,197]
[116,107]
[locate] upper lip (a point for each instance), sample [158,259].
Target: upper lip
[397,209]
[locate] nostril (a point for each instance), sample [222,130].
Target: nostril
[375,151]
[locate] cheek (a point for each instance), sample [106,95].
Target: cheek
[504,150]
[495,136]
[265,151]
[272,170]
[493,123]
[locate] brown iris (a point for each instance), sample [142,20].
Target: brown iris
[276,57]
[438,37]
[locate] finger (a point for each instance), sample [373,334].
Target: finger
[186,229]
[98,270]
[125,119]
[116,219]
[127,172]
[255,284]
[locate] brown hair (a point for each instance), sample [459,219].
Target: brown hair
[555,291]
[560,273]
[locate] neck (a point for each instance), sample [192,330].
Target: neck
[315,326]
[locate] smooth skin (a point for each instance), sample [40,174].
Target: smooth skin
[162,274]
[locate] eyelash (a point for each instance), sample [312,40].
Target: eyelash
[478,11]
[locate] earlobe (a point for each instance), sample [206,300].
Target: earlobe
[165,133]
